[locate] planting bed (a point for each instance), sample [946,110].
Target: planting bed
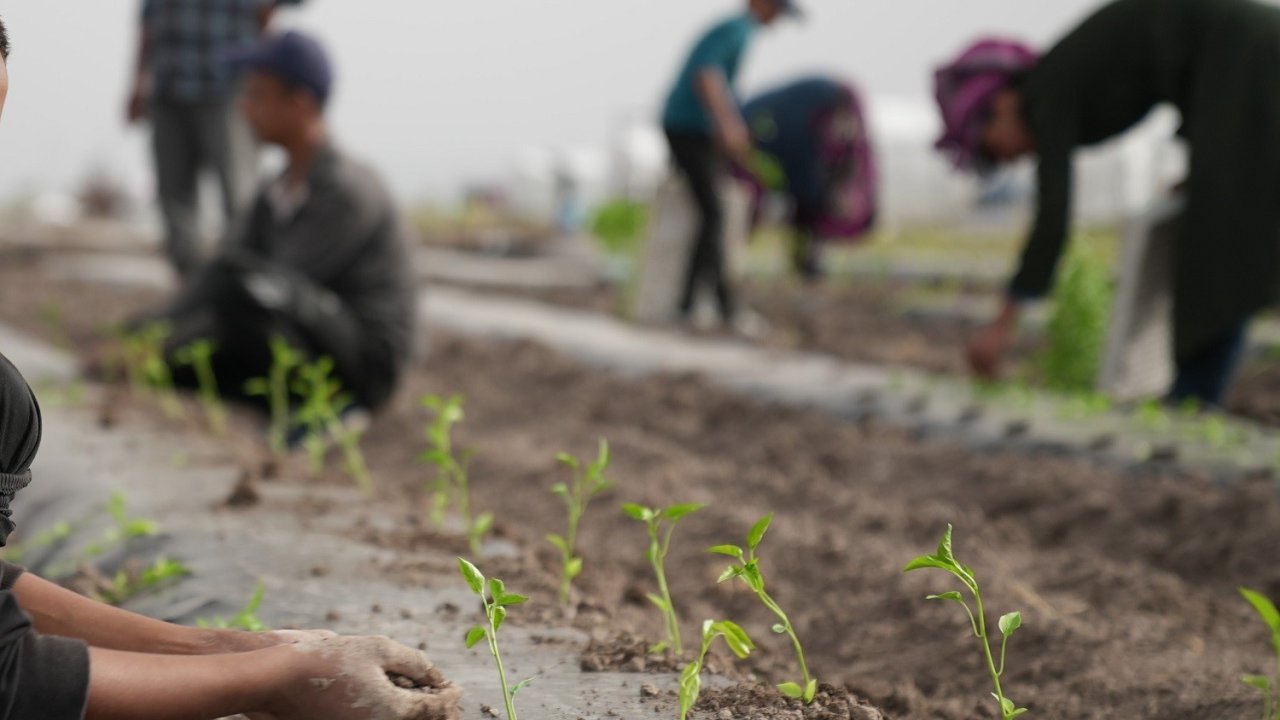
[1126,582]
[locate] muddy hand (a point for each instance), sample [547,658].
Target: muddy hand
[355,678]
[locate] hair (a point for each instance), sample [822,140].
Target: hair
[4,42]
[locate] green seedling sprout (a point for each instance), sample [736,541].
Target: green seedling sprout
[146,368]
[588,482]
[323,403]
[748,570]
[126,586]
[496,600]
[1268,686]
[246,619]
[661,523]
[452,469]
[275,389]
[124,527]
[945,559]
[691,677]
[17,551]
[199,357]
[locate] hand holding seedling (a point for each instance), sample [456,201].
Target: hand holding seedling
[748,570]
[691,677]
[588,482]
[660,524]
[945,559]
[1268,686]
[496,600]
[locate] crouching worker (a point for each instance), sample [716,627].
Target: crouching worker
[66,657]
[321,260]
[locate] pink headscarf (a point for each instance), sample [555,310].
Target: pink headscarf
[965,89]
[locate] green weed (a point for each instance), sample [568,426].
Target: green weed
[496,600]
[660,523]
[588,482]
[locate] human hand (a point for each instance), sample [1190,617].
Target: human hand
[137,106]
[987,349]
[361,678]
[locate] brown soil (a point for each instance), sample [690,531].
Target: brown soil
[764,702]
[1127,583]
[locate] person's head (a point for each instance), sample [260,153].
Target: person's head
[4,65]
[20,429]
[980,98]
[289,79]
[766,12]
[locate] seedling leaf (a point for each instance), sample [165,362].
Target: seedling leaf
[1260,682]
[729,573]
[558,542]
[560,490]
[520,686]
[637,512]
[567,459]
[573,568]
[927,561]
[677,512]
[508,599]
[499,617]
[779,629]
[1264,607]
[791,690]
[810,691]
[758,530]
[732,551]
[945,552]
[656,600]
[1010,623]
[475,635]
[475,580]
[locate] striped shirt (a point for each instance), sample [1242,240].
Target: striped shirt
[190,41]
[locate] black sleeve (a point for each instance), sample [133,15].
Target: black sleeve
[41,677]
[1055,146]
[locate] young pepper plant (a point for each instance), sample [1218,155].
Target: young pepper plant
[661,523]
[496,600]
[945,559]
[199,357]
[691,677]
[146,367]
[247,619]
[588,482]
[274,388]
[452,469]
[1268,686]
[748,570]
[323,403]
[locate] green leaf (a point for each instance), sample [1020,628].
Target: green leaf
[1260,682]
[568,460]
[737,639]
[508,599]
[602,454]
[729,573]
[475,580]
[560,490]
[732,551]
[475,635]
[482,525]
[559,543]
[779,628]
[637,512]
[573,568]
[439,458]
[520,686]
[945,552]
[1007,706]
[499,617]
[1010,623]
[659,648]
[656,600]
[791,690]
[952,595]
[677,512]
[1265,608]
[496,587]
[1016,713]
[810,691]
[927,561]
[758,530]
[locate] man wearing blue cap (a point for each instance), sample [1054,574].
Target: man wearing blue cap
[703,124]
[321,259]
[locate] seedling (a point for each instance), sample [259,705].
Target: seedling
[126,586]
[691,677]
[1077,328]
[1268,686]
[452,469]
[246,619]
[660,524]
[146,367]
[123,529]
[496,600]
[945,559]
[199,357]
[323,404]
[588,482]
[275,389]
[16,552]
[748,570]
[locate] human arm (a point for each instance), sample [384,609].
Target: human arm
[730,129]
[336,679]
[140,85]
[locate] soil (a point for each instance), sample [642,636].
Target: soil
[764,702]
[1127,583]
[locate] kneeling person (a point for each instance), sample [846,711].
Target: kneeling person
[321,260]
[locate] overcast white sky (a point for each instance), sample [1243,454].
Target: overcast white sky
[440,93]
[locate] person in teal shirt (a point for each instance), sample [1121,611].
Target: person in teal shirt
[704,125]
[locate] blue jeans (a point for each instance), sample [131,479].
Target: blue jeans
[1206,376]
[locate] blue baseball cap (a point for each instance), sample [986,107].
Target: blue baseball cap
[294,58]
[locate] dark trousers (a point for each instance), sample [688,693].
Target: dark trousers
[218,305]
[1206,376]
[700,161]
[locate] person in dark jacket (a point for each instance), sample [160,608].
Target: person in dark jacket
[322,259]
[704,127]
[1218,63]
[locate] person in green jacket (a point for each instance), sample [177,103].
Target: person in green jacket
[1218,63]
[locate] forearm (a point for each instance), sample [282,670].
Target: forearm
[57,611]
[713,91]
[133,686]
